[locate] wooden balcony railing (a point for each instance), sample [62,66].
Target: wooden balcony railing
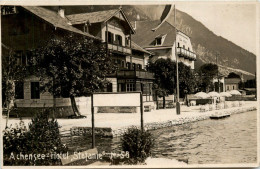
[186,53]
[141,74]
[120,49]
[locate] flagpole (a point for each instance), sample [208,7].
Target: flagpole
[178,108]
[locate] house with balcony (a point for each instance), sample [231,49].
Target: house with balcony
[29,27]
[113,27]
[163,41]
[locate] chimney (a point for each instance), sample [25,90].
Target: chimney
[138,17]
[61,12]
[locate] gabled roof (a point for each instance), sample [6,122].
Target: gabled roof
[145,37]
[54,19]
[92,17]
[97,17]
[139,48]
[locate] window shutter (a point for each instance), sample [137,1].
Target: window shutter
[112,38]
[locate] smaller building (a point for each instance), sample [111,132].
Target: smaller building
[232,84]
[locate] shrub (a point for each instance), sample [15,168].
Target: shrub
[42,138]
[138,143]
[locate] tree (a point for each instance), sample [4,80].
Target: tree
[163,70]
[165,78]
[206,73]
[11,73]
[73,66]
[233,75]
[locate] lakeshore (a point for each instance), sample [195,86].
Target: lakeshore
[115,124]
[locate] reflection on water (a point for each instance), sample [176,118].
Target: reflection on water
[229,140]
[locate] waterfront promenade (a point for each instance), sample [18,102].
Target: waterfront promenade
[119,122]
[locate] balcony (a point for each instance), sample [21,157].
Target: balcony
[132,74]
[186,54]
[119,49]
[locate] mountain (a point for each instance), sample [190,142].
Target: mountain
[206,44]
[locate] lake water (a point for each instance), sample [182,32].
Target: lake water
[229,140]
[224,141]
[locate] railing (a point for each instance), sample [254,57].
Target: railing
[186,53]
[135,74]
[121,49]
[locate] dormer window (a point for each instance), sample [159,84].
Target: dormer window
[159,39]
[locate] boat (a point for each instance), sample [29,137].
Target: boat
[219,115]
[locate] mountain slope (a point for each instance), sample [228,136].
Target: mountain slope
[207,45]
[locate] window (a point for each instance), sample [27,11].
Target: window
[21,58]
[183,46]
[118,40]
[109,87]
[130,87]
[158,41]
[128,65]
[121,87]
[233,87]
[18,28]
[139,66]
[19,91]
[178,44]
[127,41]
[110,38]
[133,65]
[35,90]
[227,87]
[123,63]
[188,49]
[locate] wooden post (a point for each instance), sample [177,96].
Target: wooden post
[141,111]
[92,121]
[107,39]
[131,59]
[178,107]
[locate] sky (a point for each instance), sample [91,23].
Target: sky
[233,21]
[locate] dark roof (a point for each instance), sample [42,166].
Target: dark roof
[232,80]
[92,17]
[145,37]
[97,17]
[139,48]
[54,19]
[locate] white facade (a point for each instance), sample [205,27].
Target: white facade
[184,42]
